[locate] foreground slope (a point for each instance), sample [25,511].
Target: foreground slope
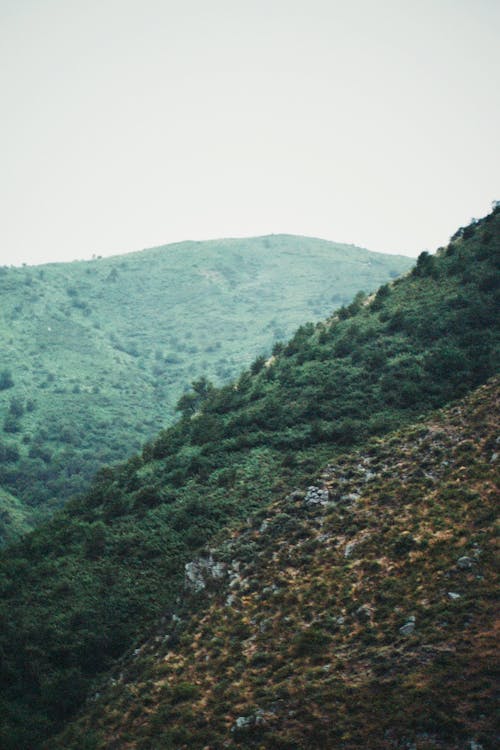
[76,593]
[95,354]
[357,613]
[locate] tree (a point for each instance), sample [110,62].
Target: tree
[190,402]
[426,265]
[6,380]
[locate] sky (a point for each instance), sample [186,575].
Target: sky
[127,124]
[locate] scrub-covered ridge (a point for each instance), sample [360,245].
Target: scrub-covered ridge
[355,613]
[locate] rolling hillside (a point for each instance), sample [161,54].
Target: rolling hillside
[96,354]
[83,588]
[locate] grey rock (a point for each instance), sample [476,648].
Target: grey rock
[316,496]
[245,722]
[349,548]
[242,722]
[465,563]
[200,571]
[407,628]
[453,595]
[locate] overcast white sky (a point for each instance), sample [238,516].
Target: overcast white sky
[132,123]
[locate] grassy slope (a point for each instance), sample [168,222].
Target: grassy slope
[80,589]
[100,351]
[299,645]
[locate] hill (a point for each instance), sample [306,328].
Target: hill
[96,354]
[334,617]
[79,590]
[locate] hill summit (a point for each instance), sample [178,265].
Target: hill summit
[96,354]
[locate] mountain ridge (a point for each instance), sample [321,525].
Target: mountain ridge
[82,588]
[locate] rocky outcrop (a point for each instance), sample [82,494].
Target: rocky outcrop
[203,571]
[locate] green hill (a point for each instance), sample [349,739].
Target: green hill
[96,354]
[334,617]
[81,589]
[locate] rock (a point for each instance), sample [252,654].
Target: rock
[349,549]
[453,595]
[494,458]
[245,722]
[473,745]
[242,722]
[200,571]
[407,628]
[316,496]
[465,563]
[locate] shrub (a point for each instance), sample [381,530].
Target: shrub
[184,691]
[311,642]
[6,380]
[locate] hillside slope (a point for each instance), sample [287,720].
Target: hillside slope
[335,617]
[77,592]
[96,354]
